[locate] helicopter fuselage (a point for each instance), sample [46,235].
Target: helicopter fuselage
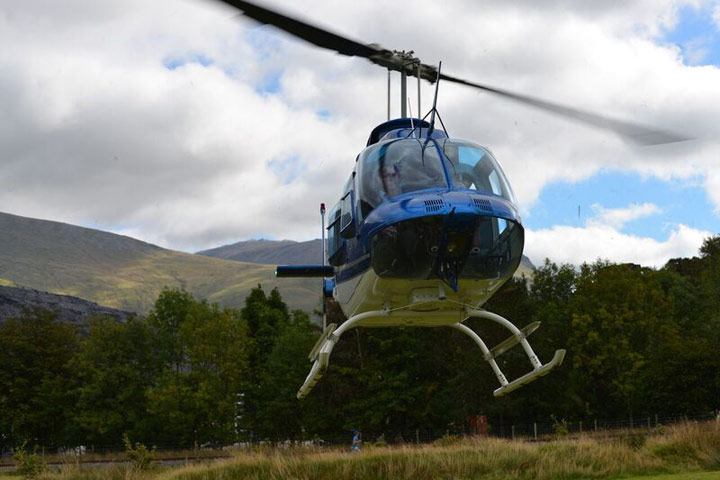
[425,224]
[426,231]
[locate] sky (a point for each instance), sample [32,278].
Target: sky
[182,124]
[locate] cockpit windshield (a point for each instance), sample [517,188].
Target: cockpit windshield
[395,167]
[471,166]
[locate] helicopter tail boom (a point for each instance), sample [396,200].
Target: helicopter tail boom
[286,271]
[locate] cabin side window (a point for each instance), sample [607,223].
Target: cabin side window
[335,242]
[347,227]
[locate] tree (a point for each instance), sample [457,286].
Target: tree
[36,402]
[117,363]
[266,318]
[279,413]
[617,307]
[204,351]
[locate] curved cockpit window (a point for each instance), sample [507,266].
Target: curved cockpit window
[471,166]
[394,167]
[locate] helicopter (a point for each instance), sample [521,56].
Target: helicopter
[427,227]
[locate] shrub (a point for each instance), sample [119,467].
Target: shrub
[140,456]
[380,441]
[634,440]
[560,426]
[447,440]
[29,465]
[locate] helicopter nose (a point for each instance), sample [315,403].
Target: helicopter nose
[451,247]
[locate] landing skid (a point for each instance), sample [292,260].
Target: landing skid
[320,354]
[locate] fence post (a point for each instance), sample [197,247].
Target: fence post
[656,421]
[513,432]
[580,426]
[535,430]
[417,436]
[649,427]
[596,425]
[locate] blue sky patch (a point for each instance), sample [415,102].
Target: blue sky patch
[286,169]
[697,36]
[270,83]
[681,201]
[265,42]
[173,63]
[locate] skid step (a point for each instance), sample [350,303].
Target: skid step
[513,340]
[534,375]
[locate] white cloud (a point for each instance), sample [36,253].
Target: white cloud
[96,131]
[716,15]
[602,238]
[575,245]
[616,218]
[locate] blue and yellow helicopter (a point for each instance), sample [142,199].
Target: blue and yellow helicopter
[427,227]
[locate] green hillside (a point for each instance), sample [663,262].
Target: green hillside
[124,273]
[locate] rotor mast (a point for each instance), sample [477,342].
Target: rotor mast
[406,64]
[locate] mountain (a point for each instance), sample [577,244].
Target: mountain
[288,252]
[69,309]
[283,252]
[125,273]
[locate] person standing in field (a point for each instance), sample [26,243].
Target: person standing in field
[355,447]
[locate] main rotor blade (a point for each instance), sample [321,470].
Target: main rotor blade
[399,61]
[310,33]
[635,133]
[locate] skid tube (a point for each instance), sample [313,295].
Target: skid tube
[320,354]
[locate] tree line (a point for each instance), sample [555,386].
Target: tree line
[640,342]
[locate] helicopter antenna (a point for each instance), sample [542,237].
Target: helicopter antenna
[412,125]
[419,126]
[434,107]
[419,67]
[388,94]
[443,124]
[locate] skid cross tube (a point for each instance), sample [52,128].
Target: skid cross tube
[320,354]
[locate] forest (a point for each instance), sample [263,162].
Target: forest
[640,342]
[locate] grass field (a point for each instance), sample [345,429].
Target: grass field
[683,452]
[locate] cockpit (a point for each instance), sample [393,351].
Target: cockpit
[473,167]
[391,168]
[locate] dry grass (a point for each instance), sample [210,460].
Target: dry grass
[684,448]
[71,457]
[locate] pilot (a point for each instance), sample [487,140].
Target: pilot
[391,180]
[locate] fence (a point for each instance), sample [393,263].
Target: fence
[536,431]
[539,430]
